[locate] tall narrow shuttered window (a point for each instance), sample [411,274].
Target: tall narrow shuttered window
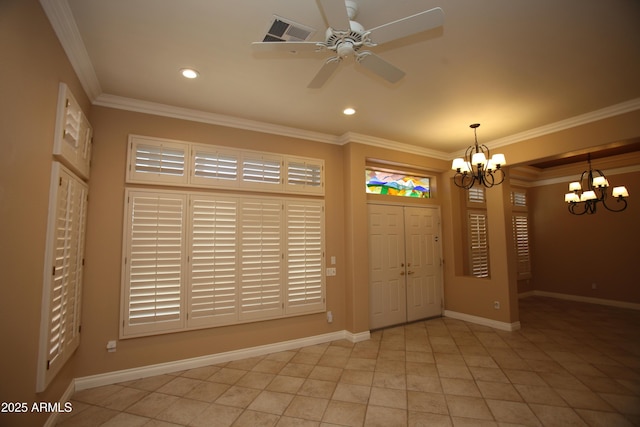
[477,233]
[478,244]
[213,256]
[305,256]
[64,261]
[250,258]
[520,222]
[521,240]
[154,262]
[261,259]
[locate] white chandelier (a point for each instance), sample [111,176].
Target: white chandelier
[477,166]
[593,192]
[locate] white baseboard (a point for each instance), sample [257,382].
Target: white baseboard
[66,396]
[503,326]
[591,300]
[212,359]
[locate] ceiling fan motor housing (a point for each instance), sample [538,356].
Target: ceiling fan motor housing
[345,42]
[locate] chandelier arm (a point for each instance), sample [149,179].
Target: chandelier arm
[502,175]
[488,179]
[618,200]
[463,180]
[574,211]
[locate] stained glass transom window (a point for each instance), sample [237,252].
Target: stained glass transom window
[396,184]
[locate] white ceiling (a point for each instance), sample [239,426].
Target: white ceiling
[515,66]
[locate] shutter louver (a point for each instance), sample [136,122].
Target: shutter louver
[305,242]
[160,160]
[519,198]
[214,166]
[213,292]
[260,259]
[475,195]
[479,245]
[155,261]
[262,170]
[305,176]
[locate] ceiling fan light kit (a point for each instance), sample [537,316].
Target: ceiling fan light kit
[346,37]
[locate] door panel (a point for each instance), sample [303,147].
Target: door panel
[423,263]
[386,266]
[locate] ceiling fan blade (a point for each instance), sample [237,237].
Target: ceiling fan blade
[404,27]
[325,72]
[381,67]
[336,13]
[286,46]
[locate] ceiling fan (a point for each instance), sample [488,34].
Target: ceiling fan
[346,37]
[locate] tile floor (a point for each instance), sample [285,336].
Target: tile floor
[571,364]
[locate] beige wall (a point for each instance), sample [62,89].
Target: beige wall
[570,252]
[33,64]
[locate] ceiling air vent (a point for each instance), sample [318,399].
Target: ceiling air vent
[284,30]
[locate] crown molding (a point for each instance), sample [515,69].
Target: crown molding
[582,119]
[64,25]
[130,104]
[393,145]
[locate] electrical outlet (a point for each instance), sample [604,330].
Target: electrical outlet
[111,346]
[331,271]
[496,305]
[329,317]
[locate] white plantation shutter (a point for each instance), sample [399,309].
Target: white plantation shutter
[262,171]
[305,256]
[72,141]
[305,175]
[475,195]
[211,167]
[157,161]
[213,296]
[521,240]
[261,250]
[155,255]
[478,244]
[60,331]
[519,198]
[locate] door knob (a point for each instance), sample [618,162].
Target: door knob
[402,273]
[410,272]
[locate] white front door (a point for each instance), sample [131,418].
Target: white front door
[404,264]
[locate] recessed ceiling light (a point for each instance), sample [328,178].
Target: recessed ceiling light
[189,73]
[348,111]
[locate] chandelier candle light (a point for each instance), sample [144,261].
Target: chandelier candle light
[477,166]
[593,192]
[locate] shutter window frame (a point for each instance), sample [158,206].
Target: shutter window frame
[156,263]
[478,235]
[153,161]
[63,273]
[305,258]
